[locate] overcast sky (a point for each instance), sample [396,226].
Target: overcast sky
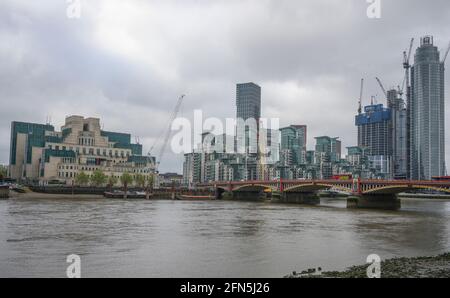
[127,61]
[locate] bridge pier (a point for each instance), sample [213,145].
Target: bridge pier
[378,201]
[218,193]
[306,198]
[248,195]
[4,192]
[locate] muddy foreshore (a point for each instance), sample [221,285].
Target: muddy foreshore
[41,196]
[421,267]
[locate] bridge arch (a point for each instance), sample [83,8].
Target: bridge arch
[313,187]
[396,189]
[255,187]
[223,187]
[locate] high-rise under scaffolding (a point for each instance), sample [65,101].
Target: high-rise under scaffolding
[375,134]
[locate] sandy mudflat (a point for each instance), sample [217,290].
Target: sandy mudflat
[35,195]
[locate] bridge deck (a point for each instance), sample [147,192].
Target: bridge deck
[356,186]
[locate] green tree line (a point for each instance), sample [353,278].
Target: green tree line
[98,178]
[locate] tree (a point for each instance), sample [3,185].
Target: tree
[82,178]
[112,180]
[98,178]
[126,179]
[140,180]
[3,172]
[150,181]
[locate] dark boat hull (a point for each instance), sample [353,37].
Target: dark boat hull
[193,198]
[120,195]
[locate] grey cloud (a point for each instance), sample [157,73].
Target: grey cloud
[308,56]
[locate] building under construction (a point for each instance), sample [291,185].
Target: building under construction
[375,135]
[399,133]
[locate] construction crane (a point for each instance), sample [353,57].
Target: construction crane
[166,133]
[360,97]
[406,66]
[446,54]
[382,87]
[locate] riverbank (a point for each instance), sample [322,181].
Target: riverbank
[41,196]
[421,267]
[29,194]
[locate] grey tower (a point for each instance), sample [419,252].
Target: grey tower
[399,134]
[248,106]
[427,120]
[248,101]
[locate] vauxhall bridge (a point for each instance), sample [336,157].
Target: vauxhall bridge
[377,194]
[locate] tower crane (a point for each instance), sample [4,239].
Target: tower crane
[382,87]
[360,97]
[406,66]
[446,54]
[166,132]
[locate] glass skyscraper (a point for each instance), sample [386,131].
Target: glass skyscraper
[248,101]
[427,119]
[399,134]
[248,109]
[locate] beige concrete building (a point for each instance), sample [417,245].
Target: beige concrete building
[41,154]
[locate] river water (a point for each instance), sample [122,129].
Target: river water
[117,238]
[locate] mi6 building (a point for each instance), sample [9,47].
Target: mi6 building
[38,153]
